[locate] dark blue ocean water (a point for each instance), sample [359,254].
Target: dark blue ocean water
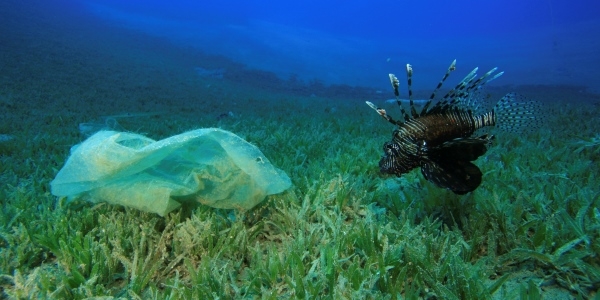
[359,42]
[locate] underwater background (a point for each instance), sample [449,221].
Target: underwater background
[292,78]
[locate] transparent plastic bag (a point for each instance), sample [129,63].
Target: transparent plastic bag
[211,166]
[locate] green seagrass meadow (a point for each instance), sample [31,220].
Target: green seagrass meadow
[341,231]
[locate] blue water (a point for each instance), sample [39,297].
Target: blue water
[359,42]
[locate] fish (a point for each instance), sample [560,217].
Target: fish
[443,139]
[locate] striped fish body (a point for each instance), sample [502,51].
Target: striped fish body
[440,140]
[436,129]
[442,146]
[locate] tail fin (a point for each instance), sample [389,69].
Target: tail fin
[515,114]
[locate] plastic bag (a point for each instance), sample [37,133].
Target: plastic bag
[212,166]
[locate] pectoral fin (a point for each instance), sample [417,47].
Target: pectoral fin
[463,149]
[460,177]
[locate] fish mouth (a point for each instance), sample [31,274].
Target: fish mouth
[395,165]
[386,165]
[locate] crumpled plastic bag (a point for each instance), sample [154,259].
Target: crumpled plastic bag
[212,166]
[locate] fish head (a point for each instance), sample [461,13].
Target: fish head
[396,161]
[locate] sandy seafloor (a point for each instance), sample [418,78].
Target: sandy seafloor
[50,82]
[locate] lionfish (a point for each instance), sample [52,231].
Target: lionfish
[441,139]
